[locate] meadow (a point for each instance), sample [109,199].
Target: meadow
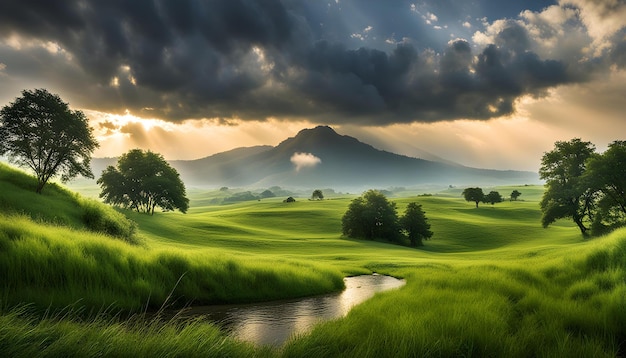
[491,281]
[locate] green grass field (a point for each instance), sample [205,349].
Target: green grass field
[491,281]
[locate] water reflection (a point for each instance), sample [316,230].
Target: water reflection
[274,322]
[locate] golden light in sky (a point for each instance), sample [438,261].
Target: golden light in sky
[483,86]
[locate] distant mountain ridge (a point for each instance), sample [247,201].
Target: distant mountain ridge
[342,162]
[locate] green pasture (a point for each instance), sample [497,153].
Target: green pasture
[491,281]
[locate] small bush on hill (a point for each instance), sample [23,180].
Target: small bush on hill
[108,221]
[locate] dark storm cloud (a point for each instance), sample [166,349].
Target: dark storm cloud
[405,86]
[254,59]
[618,53]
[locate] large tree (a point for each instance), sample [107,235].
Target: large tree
[606,174]
[416,225]
[40,132]
[371,216]
[568,193]
[474,194]
[142,181]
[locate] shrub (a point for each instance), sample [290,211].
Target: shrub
[97,217]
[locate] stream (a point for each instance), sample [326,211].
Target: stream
[273,323]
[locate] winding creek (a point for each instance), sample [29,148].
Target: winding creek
[274,322]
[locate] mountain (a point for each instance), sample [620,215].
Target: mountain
[342,162]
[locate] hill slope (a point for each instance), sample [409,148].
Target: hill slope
[497,285]
[59,206]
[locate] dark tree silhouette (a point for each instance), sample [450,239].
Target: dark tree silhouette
[371,216]
[289,200]
[568,193]
[492,198]
[606,174]
[40,132]
[317,195]
[474,194]
[416,225]
[515,194]
[142,181]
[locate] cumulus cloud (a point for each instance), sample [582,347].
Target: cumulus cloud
[603,18]
[304,160]
[291,60]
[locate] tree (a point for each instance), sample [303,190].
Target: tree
[317,195]
[492,198]
[142,181]
[474,194]
[289,200]
[606,174]
[371,216]
[416,225]
[40,132]
[515,194]
[568,193]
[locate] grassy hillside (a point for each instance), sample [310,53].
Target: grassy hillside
[491,282]
[58,206]
[531,302]
[56,250]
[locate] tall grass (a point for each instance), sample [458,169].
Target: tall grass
[59,206]
[491,282]
[52,266]
[566,304]
[23,334]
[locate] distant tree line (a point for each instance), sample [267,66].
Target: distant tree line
[585,186]
[372,216]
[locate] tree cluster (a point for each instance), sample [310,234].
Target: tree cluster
[477,196]
[585,186]
[142,181]
[373,216]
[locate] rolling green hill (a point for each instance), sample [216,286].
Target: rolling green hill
[491,282]
[58,206]
[57,250]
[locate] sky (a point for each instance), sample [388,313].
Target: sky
[484,83]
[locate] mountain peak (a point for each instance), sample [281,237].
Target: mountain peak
[345,163]
[319,131]
[317,140]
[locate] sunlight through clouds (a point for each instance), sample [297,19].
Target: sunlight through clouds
[514,79]
[190,139]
